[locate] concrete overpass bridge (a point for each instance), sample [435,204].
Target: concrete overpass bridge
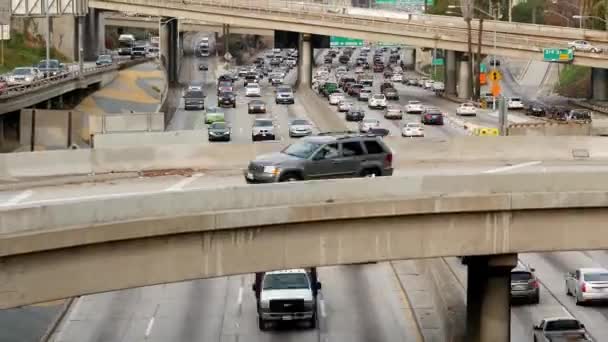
[75,247]
[309,18]
[184,25]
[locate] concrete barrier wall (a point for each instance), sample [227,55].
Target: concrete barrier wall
[130,139]
[231,156]
[551,129]
[130,122]
[51,128]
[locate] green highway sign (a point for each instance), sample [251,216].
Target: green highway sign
[558,55]
[341,41]
[437,61]
[483,68]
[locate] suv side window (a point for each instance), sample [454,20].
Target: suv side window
[328,151]
[373,147]
[352,148]
[578,274]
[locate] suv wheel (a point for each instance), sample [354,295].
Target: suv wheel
[261,324]
[290,177]
[371,173]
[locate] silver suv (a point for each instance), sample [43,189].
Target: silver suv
[524,285]
[324,156]
[284,95]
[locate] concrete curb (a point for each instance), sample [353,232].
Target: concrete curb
[75,179]
[417,320]
[58,320]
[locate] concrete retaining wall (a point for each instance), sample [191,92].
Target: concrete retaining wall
[191,137]
[231,156]
[131,122]
[550,129]
[52,127]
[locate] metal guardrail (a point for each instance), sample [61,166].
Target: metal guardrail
[24,89]
[333,15]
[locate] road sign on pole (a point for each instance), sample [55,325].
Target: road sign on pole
[342,41]
[495,75]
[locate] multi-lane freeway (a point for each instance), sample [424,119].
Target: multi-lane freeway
[358,302]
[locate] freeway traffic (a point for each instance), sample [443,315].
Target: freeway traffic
[358,302]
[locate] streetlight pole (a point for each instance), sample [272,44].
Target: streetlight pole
[48,34]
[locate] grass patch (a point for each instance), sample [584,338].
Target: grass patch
[574,81]
[24,51]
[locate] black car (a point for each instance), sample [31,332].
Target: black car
[432,117]
[355,114]
[103,60]
[194,99]
[328,60]
[203,67]
[226,99]
[535,109]
[219,131]
[344,59]
[256,106]
[378,131]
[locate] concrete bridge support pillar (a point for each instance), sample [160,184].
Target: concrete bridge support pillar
[409,59]
[464,76]
[169,37]
[94,34]
[599,84]
[1,131]
[488,297]
[305,61]
[451,76]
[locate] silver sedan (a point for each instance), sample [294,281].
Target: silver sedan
[587,285]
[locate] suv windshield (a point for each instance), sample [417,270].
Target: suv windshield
[194,94]
[282,281]
[303,149]
[520,276]
[263,123]
[299,122]
[563,325]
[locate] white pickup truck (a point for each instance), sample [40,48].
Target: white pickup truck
[561,329]
[287,295]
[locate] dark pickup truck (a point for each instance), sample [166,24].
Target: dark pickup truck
[194,99]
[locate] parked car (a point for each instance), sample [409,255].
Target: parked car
[393,112]
[219,131]
[226,99]
[355,114]
[413,107]
[432,117]
[412,129]
[256,106]
[377,101]
[24,76]
[366,124]
[587,285]
[104,60]
[524,285]
[263,129]
[466,109]
[585,46]
[323,156]
[194,99]
[300,128]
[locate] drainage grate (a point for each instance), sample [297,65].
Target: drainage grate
[580,153]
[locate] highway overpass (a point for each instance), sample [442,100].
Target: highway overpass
[307,18]
[184,25]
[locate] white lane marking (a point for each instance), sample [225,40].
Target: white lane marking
[566,312]
[322,308]
[239,299]
[182,183]
[513,167]
[149,328]
[17,198]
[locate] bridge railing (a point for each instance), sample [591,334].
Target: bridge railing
[333,12]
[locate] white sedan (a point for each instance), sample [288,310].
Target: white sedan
[335,98]
[393,112]
[253,89]
[397,78]
[367,124]
[413,107]
[412,129]
[466,109]
[515,103]
[344,106]
[583,45]
[377,101]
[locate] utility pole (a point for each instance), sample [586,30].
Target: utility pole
[48,33]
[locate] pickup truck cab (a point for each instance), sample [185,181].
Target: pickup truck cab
[560,329]
[287,295]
